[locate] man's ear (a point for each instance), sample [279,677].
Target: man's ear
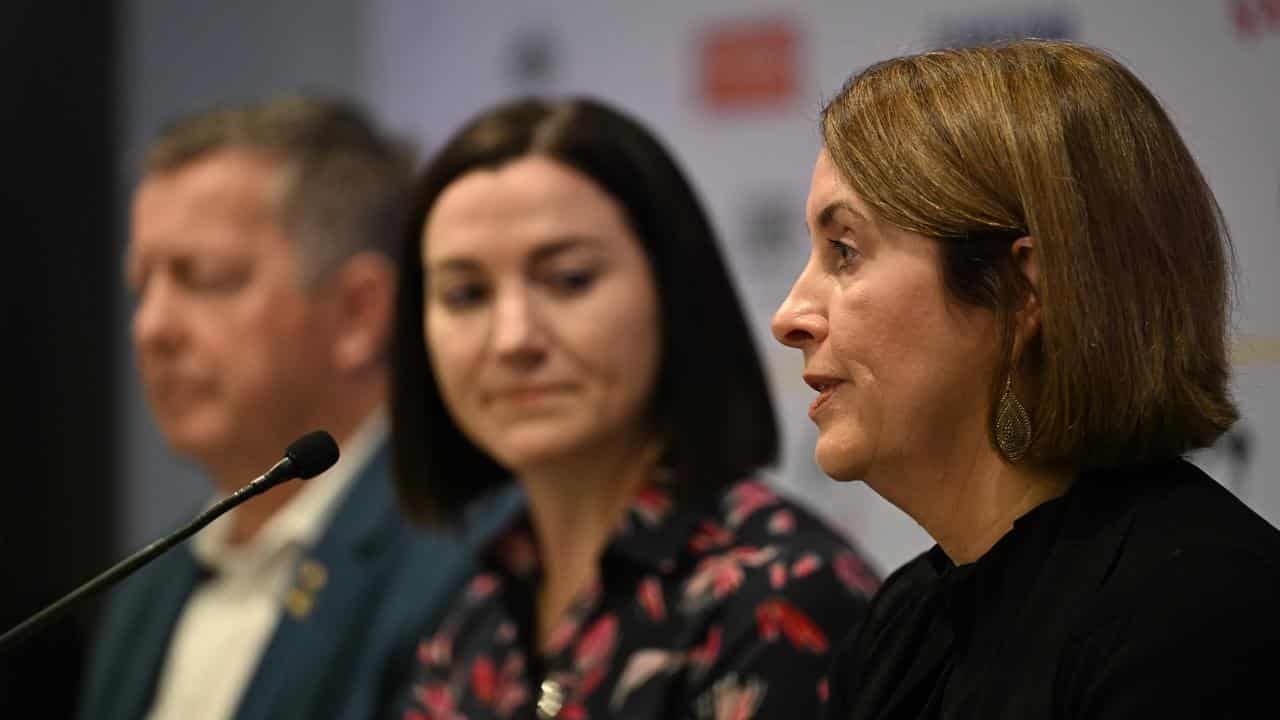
[365,292]
[1027,317]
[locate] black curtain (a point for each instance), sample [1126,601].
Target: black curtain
[61,274]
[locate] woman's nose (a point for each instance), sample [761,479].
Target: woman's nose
[517,331]
[800,320]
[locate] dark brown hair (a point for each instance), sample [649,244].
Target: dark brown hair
[711,407]
[978,146]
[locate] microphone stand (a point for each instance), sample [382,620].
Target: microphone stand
[113,575]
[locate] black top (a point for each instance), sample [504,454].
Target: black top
[724,608]
[1143,592]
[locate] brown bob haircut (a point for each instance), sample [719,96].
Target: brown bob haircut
[977,147]
[711,405]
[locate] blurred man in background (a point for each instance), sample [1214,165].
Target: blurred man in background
[259,257]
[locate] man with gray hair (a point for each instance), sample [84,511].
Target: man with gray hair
[260,257]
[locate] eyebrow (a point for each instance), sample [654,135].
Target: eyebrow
[827,216]
[543,253]
[561,245]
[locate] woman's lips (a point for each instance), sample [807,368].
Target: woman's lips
[826,387]
[527,394]
[823,396]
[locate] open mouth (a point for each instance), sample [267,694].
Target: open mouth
[826,387]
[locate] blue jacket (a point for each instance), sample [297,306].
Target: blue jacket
[343,658]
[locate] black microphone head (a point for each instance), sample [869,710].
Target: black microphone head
[312,454]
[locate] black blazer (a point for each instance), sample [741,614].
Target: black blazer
[1143,592]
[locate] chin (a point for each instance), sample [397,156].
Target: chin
[522,449]
[195,438]
[841,464]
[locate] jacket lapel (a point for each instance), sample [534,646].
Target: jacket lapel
[136,637]
[332,592]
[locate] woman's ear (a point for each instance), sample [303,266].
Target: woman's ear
[1027,316]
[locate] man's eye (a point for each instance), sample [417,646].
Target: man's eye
[217,281]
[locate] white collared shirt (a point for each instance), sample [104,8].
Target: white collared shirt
[228,620]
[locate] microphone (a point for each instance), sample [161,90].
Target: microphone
[305,458]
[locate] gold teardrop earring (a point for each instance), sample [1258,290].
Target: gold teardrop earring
[1013,425]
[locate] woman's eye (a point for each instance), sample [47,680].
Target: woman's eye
[461,297]
[845,253]
[571,282]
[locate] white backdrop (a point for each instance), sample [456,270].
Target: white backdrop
[428,66]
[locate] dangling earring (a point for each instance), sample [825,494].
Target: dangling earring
[1013,425]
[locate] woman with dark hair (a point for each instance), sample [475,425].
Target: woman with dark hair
[565,319]
[1015,315]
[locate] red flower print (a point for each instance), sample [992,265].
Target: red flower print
[709,536]
[706,653]
[438,700]
[806,565]
[734,700]
[782,522]
[746,498]
[719,575]
[484,680]
[591,680]
[777,575]
[753,556]
[511,692]
[596,644]
[660,629]
[559,639]
[777,615]
[513,665]
[715,578]
[517,552]
[651,505]
[572,712]
[649,595]
[482,586]
[855,574]
[513,696]
[642,666]
[437,650]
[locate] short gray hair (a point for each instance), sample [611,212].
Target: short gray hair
[345,185]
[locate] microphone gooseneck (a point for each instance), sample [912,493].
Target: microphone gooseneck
[305,458]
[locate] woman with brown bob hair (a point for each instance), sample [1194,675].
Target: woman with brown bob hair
[565,318]
[1015,314]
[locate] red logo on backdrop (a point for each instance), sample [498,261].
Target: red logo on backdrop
[1255,17]
[749,65]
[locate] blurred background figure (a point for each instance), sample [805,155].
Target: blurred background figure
[565,317]
[1015,313]
[262,265]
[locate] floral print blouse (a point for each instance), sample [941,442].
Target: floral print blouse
[726,608]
